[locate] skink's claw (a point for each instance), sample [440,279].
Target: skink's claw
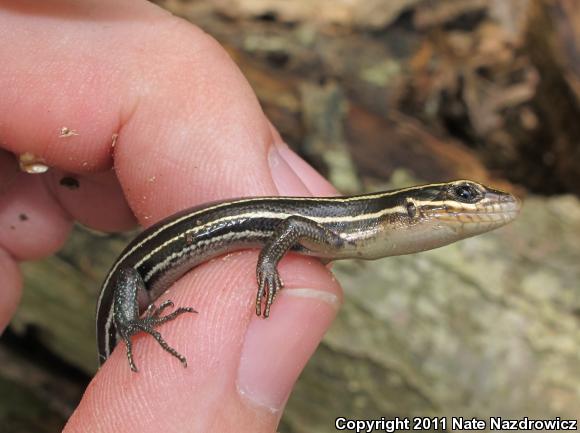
[269,283]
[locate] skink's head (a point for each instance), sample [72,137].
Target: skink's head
[443,213]
[476,207]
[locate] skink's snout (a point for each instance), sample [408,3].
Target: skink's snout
[503,202]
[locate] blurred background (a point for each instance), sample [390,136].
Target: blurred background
[378,94]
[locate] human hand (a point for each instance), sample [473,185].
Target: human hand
[189,130]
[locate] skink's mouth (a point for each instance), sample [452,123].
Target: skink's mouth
[495,210]
[477,217]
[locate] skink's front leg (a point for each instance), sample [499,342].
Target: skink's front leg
[292,231]
[129,287]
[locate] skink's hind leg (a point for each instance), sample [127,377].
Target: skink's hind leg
[126,314]
[294,230]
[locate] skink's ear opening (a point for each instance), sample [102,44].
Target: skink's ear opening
[411,209]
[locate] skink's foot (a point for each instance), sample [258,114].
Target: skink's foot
[147,324]
[269,283]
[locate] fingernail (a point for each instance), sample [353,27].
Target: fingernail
[276,349]
[294,176]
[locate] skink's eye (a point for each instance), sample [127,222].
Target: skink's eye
[466,193]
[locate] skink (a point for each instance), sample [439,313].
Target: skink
[367,226]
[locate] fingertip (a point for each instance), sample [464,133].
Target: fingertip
[275,350]
[32,224]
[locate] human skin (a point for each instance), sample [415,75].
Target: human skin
[190,130]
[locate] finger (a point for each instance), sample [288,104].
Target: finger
[61,104]
[94,199]
[189,130]
[32,223]
[241,369]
